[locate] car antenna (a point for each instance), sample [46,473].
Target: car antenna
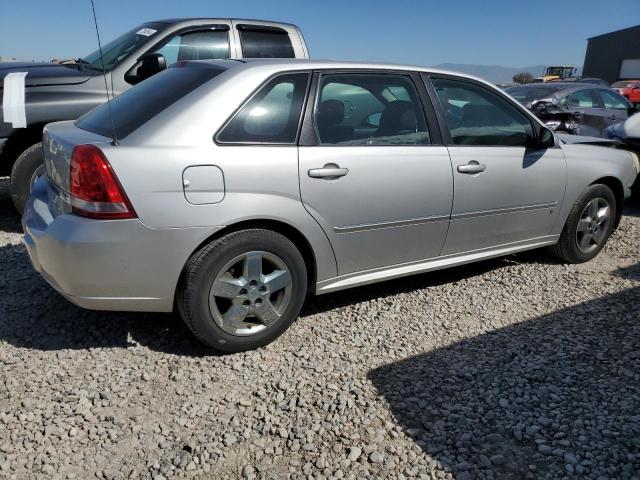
[114,141]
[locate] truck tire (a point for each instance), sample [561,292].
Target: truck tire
[24,172]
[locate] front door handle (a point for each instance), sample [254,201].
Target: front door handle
[472,167]
[330,171]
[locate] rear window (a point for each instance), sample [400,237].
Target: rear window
[141,103]
[265,42]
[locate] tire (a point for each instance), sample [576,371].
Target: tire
[213,265]
[22,173]
[568,247]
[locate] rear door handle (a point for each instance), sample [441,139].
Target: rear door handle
[329,171]
[472,167]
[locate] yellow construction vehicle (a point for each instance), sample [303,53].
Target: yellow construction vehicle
[557,73]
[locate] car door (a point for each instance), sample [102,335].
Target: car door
[615,106]
[373,171]
[587,114]
[504,191]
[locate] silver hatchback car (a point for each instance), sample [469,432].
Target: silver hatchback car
[233,188]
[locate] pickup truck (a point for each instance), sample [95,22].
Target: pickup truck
[67,90]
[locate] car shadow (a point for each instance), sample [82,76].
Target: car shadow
[9,218]
[556,396]
[30,307]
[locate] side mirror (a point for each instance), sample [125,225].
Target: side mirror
[150,64]
[546,139]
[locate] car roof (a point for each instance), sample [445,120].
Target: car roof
[283,64]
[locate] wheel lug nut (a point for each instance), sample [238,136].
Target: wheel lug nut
[246,303]
[258,301]
[243,291]
[263,288]
[253,283]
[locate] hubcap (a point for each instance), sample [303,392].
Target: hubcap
[250,293]
[593,225]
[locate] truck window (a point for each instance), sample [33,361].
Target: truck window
[210,44]
[265,42]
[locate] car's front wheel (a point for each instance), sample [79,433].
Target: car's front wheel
[588,225]
[243,290]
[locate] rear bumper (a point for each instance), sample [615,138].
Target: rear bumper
[106,265]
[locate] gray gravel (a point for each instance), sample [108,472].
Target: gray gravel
[514,368]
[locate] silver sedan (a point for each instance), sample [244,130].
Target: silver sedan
[230,190]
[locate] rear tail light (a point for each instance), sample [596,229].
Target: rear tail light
[95,189]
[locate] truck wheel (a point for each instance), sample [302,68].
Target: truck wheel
[243,290]
[588,226]
[26,170]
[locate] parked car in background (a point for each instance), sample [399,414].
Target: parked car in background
[629,89]
[66,91]
[307,176]
[576,108]
[596,81]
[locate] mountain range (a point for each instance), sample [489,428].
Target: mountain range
[493,73]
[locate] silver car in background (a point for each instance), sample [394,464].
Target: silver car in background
[234,188]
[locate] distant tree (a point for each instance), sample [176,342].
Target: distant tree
[524,77]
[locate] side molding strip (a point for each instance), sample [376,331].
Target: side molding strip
[437,263]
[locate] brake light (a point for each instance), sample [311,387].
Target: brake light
[95,189]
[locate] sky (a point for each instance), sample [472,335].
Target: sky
[514,33]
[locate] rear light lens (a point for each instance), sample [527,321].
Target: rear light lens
[95,189]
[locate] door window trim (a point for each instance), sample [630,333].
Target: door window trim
[255,92]
[440,114]
[166,39]
[309,136]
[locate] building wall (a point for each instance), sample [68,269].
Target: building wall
[606,52]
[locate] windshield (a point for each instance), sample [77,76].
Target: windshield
[117,50]
[531,94]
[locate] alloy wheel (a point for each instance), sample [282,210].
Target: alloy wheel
[593,225]
[250,293]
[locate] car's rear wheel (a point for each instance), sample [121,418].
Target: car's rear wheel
[25,171]
[588,225]
[243,290]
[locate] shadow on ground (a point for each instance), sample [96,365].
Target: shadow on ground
[569,381]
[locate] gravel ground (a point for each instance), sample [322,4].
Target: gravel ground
[513,368]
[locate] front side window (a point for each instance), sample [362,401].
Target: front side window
[265,42]
[272,115]
[612,100]
[583,99]
[209,44]
[369,109]
[477,116]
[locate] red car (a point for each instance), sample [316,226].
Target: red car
[629,88]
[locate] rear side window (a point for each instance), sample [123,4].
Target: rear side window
[141,103]
[477,116]
[272,115]
[612,100]
[369,109]
[265,42]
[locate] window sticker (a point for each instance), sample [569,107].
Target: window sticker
[147,32]
[13,100]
